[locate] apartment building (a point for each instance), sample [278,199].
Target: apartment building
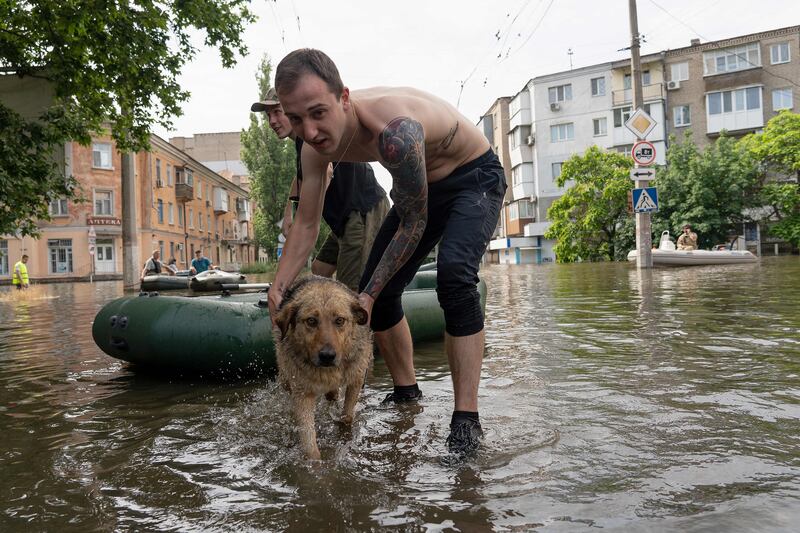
[735,84]
[221,152]
[181,206]
[494,124]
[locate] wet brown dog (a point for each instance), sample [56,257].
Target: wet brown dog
[324,345]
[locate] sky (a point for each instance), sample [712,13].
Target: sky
[468,52]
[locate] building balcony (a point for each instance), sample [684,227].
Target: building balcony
[654,91]
[523,190]
[520,118]
[536,229]
[520,154]
[184,192]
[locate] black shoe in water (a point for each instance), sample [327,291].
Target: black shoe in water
[394,397]
[465,437]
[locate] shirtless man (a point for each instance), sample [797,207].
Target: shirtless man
[447,186]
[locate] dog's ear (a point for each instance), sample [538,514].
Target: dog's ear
[287,317]
[359,314]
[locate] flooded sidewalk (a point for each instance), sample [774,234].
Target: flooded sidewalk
[666,399]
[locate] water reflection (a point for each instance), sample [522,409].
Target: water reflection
[611,397]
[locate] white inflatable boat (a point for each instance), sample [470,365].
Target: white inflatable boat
[667,255]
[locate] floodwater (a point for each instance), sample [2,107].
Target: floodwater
[611,398]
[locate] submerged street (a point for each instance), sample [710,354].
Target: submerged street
[665,399]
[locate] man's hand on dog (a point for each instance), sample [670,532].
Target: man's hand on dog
[274,297]
[366,301]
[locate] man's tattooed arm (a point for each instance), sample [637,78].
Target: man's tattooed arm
[402,147]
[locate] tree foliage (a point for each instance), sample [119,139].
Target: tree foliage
[589,222]
[107,63]
[777,151]
[710,189]
[271,164]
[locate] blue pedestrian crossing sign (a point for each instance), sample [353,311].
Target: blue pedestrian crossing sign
[645,200]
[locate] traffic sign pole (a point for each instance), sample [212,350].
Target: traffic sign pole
[644,238]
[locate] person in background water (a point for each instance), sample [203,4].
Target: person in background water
[200,263]
[20,277]
[354,208]
[688,239]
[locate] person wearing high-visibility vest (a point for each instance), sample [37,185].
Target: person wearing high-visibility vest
[20,277]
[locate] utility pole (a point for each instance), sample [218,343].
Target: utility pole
[130,245]
[644,239]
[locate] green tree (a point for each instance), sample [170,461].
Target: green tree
[104,63]
[271,164]
[590,221]
[710,189]
[777,151]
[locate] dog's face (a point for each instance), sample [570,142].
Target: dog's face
[319,320]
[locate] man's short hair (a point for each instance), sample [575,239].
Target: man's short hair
[307,61]
[686,226]
[24,256]
[197,252]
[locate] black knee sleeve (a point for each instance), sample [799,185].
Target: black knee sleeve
[461,304]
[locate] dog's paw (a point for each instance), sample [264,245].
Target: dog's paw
[346,419]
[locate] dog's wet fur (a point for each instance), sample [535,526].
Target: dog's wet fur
[325,344]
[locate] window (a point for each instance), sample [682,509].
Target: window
[200,221]
[208,223]
[189,177]
[519,137]
[58,207]
[562,132]
[160,209]
[180,216]
[560,93]
[161,250]
[101,155]
[60,254]
[732,101]
[103,203]
[191,218]
[159,183]
[679,71]
[681,116]
[171,214]
[199,190]
[600,126]
[4,258]
[627,81]
[781,99]
[598,86]
[732,59]
[520,209]
[556,167]
[622,114]
[171,250]
[169,175]
[779,53]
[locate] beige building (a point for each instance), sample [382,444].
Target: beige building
[181,206]
[735,84]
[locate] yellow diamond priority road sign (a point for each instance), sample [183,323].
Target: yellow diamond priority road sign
[640,123]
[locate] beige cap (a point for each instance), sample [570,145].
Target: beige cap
[271,100]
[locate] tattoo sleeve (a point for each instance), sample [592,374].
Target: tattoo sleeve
[402,147]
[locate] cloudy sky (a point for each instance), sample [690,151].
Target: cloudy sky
[491,47]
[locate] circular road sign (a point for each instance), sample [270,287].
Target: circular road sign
[644,153]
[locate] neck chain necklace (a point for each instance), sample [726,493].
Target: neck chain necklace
[353,136]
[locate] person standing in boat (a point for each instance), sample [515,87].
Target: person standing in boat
[154,266]
[688,239]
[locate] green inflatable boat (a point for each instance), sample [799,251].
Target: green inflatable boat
[229,336]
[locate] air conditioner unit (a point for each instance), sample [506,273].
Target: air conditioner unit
[672,85]
[555,106]
[530,139]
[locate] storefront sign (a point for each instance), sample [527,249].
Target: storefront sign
[103,221]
